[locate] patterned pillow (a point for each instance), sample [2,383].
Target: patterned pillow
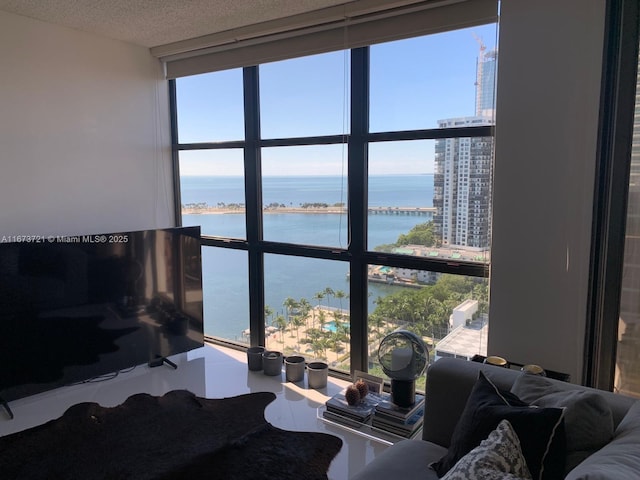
[499,457]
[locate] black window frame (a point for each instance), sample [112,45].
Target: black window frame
[356,254]
[615,132]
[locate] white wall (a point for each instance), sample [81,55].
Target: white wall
[546,139]
[84,133]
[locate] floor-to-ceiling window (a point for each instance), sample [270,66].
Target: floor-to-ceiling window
[345,195]
[627,372]
[613,344]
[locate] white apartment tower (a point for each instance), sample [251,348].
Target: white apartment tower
[464,169]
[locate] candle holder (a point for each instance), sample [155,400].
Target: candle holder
[403,357]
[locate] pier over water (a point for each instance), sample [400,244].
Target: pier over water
[420,211]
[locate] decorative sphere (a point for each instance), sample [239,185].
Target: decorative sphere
[403,355]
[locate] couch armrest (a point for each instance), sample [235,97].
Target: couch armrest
[405,460]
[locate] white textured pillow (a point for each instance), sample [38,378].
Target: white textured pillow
[499,457]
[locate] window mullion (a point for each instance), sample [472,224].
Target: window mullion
[358,181]
[253,203]
[175,154]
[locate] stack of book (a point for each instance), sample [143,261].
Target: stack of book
[338,410]
[404,422]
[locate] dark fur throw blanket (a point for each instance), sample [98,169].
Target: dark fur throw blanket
[175,436]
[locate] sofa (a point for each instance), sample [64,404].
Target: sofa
[577,433]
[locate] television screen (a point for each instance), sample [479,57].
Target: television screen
[75,308]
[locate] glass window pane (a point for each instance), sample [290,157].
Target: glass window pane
[418,81]
[210,107]
[431,198]
[449,312]
[308,308]
[400,190]
[226,293]
[304,191]
[462,194]
[212,191]
[306,96]
[627,375]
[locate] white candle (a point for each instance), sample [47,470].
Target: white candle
[400,358]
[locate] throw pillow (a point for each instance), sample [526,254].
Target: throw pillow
[588,419]
[536,428]
[499,457]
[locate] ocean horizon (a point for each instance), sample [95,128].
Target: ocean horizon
[384,190]
[225,270]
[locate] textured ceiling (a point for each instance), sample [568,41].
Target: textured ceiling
[157,22]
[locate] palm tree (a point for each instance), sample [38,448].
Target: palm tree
[334,341]
[281,322]
[297,321]
[322,317]
[321,343]
[325,344]
[290,312]
[329,293]
[317,347]
[436,314]
[376,318]
[313,334]
[317,296]
[268,312]
[317,341]
[305,308]
[340,295]
[342,329]
[289,303]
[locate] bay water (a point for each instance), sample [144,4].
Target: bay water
[225,271]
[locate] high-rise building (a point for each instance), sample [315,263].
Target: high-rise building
[486,82]
[464,169]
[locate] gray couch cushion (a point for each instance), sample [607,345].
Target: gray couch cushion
[498,457]
[406,460]
[588,419]
[619,459]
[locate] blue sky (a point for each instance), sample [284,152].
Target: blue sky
[414,83]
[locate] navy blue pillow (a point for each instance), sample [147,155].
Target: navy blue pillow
[540,430]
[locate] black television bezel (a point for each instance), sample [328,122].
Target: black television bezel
[170,327]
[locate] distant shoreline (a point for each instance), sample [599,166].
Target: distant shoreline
[231,211]
[208,210]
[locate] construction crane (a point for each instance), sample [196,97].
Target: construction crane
[479,69]
[480,42]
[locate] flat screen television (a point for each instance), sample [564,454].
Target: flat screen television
[76,308]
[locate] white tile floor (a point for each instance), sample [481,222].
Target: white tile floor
[212,372]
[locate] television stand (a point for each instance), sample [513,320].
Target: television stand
[158,362]
[6,407]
